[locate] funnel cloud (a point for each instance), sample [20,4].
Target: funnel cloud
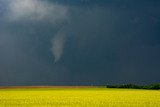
[39,11]
[58,43]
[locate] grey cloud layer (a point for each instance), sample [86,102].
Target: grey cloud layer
[90,44]
[36,10]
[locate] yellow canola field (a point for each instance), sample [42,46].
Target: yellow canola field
[86,97]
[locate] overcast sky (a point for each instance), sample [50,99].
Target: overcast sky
[79,42]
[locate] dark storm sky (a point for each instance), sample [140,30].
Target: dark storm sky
[79,42]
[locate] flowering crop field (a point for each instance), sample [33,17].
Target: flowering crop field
[78,97]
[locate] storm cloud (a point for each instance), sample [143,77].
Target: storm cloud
[79,43]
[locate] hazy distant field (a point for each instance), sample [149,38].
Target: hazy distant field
[78,97]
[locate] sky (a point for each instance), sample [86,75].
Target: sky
[79,42]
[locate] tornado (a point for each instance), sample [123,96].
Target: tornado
[58,43]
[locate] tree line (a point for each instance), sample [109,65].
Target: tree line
[134,86]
